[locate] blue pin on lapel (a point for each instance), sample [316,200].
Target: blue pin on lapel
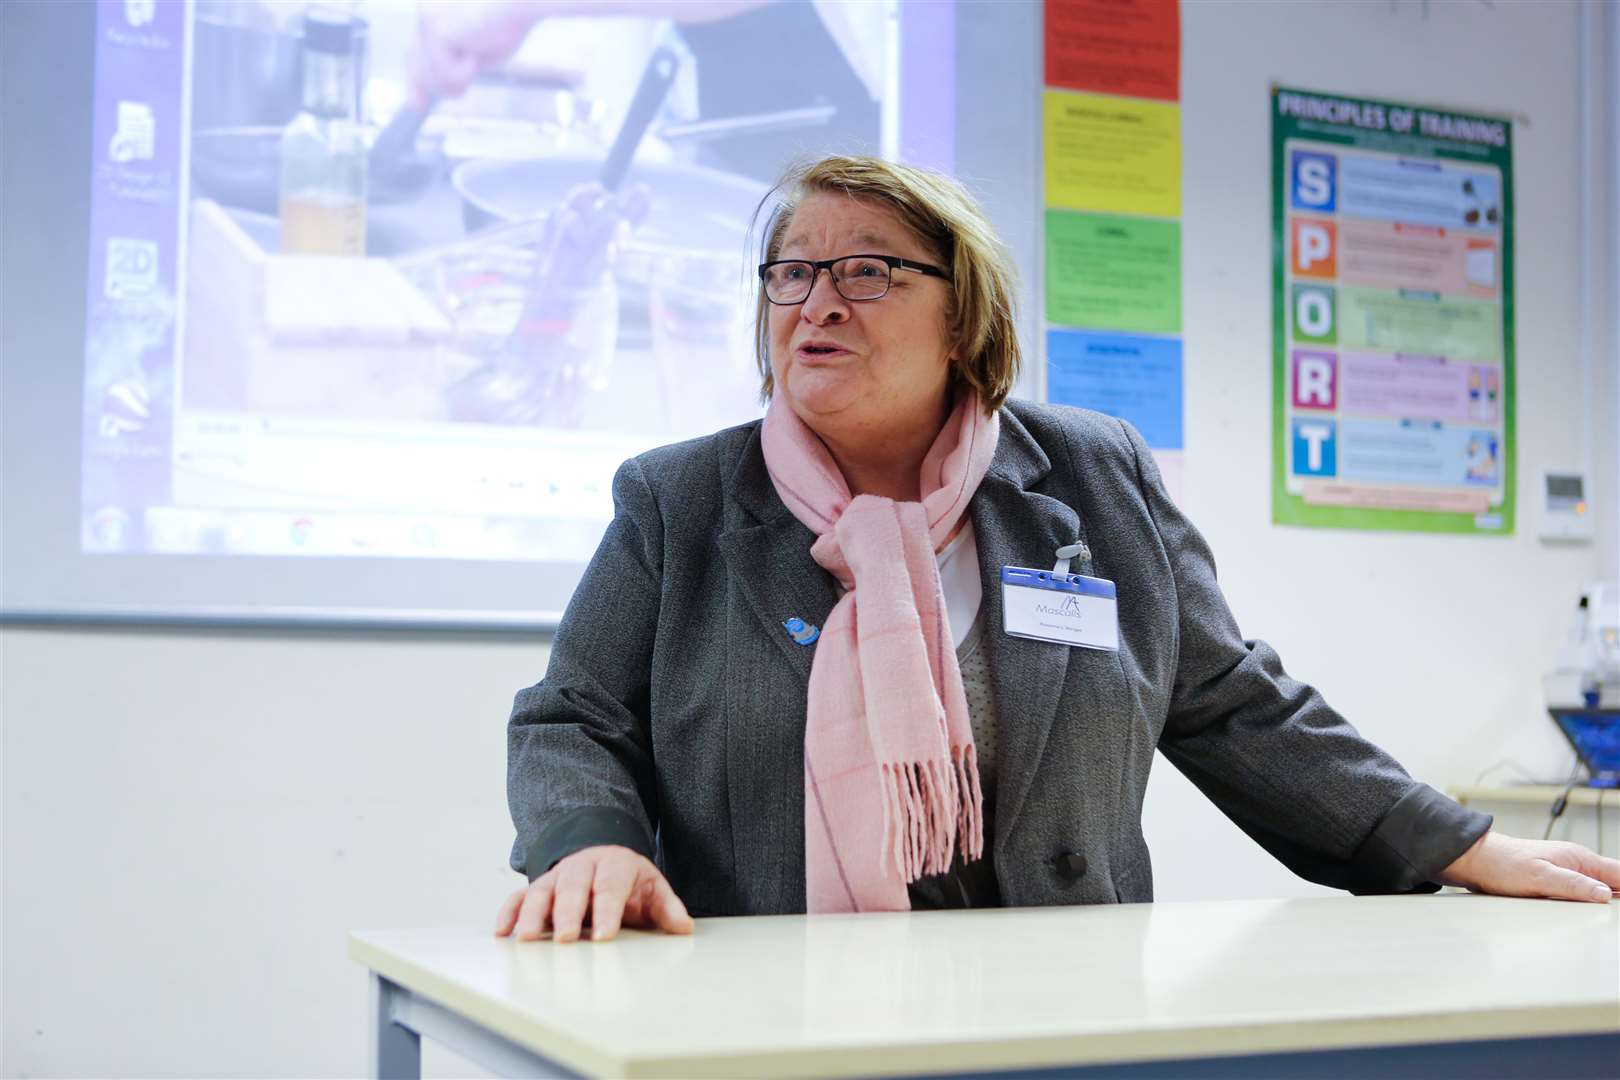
[801,631]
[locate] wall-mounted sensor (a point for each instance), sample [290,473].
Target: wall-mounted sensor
[1565,513]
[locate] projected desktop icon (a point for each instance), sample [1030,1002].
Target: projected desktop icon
[139,12]
[126,408]
[136,135]
[107,529]
[131,267]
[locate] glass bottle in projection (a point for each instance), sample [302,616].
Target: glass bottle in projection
[323,150]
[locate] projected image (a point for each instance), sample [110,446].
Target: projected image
[412,279]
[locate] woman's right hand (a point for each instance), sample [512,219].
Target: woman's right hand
[613,885]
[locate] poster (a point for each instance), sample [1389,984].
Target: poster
[1112,139]
[1113,272]
[1112,154]
[1393,359]
[1128,47]
[1132,376]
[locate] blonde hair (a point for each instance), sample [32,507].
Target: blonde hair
[980,318]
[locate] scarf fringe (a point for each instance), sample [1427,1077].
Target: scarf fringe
[970,805]
[927,806]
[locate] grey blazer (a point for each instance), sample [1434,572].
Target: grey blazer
[671,717]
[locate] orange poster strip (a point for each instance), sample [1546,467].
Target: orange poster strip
[1127,47]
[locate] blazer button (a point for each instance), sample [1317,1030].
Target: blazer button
[1071,865]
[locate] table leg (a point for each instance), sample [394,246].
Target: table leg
[396,1051]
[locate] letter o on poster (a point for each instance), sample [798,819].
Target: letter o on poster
[1314,314]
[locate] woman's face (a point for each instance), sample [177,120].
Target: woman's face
[852,370]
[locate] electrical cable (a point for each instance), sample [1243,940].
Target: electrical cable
[1526,774]
[1562,802]
[1601,792]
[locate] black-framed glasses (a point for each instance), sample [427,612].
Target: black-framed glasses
[856,277]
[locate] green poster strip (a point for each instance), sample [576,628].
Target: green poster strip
[1393,358]
[1108,272]
[1424,323]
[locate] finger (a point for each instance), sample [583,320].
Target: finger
[573,893]
[638,910]
[1600,867]
[424,64]
[417,82]
[614,879]
[1584,860]
[635,906]
[459,72]
[667,911]
[1565,884]
[441,67]
[509,912]
[537,905]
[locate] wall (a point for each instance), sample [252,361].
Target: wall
[194,820]
[1431,645]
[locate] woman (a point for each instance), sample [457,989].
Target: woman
[783,661]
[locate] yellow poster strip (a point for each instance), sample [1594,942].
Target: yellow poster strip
[1112,155]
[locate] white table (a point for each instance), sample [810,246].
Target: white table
[1413,985]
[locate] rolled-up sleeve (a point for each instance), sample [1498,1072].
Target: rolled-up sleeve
[579,748]
[1275,757]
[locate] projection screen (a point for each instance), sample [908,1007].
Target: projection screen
[401,400]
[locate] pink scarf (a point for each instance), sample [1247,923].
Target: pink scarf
[891,779]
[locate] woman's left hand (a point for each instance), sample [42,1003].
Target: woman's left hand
[1556,869]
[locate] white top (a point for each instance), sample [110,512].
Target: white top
[1000,988]
[959,577]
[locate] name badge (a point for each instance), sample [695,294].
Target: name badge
[1070,609]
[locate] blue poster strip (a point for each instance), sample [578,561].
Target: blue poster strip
[1131,376]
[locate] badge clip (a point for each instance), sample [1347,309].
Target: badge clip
[1067,553]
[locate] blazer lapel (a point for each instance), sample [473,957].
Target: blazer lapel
[1014,526]
[767,552]
[773,566]
[771,560]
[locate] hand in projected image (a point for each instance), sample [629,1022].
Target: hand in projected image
[606,887]
[562,346]
[457,39]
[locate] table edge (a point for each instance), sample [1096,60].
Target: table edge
[1143,1043]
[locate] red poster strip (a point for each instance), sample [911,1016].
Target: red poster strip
[1126,47]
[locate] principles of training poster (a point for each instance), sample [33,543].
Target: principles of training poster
[1393,357]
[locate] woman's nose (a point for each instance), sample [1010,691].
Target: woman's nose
[825,304]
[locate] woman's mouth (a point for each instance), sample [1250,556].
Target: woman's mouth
[819,350]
